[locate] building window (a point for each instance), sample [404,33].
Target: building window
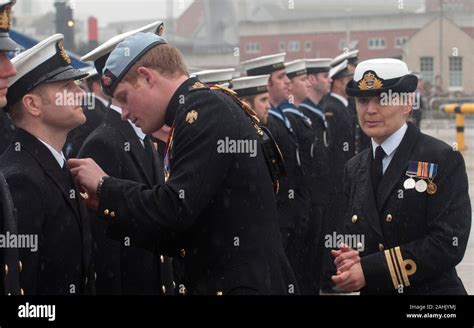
[376,43]
[252,48]
[426,68]
[400,41]
[455,72]
[293,46]
[282,46]
[308,45]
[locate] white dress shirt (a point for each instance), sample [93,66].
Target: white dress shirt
[59,156]
[390,145]
[102,100]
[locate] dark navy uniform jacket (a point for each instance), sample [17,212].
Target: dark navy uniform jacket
[48,205]
[122,266]
[413,240]
[217,209]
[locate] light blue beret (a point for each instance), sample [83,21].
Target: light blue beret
[124,56]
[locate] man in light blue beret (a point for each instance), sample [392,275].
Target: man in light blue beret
[216,209]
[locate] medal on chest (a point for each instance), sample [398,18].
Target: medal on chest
[425,173]
[168,155]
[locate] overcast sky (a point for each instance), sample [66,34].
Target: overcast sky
[111,10]
[121,10]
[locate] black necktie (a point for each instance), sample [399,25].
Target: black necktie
[377,167]
[149,149]
[65,168]
[148,145]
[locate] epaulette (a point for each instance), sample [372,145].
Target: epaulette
[198,86]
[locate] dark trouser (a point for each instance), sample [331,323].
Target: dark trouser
[309,251]
[331,223]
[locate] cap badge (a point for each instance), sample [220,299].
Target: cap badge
[262,88]
[370,82]
[192,117]
[106,80]
[63,53]
[5,19]
[279,66]
[161,30]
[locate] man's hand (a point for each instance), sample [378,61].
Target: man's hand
[87,174]
[346,257]
[351,280]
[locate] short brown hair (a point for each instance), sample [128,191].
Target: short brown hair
[250,100]
[164,58]
[16,111]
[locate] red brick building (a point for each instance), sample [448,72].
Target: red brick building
[376,33]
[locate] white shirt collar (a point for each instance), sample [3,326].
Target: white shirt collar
[137,130]
[102,100]
[59,156]
[341,98]
[391,143]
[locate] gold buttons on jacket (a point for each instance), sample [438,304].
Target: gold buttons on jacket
[354,218]
[381,247]
[108,212]
[389,218]
[6,269]
[182,253]
[20,266]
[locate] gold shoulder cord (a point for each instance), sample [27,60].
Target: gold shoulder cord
[248,110]
[253,117]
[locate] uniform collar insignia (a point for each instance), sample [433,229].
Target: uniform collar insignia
[192,117]
[198,85]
